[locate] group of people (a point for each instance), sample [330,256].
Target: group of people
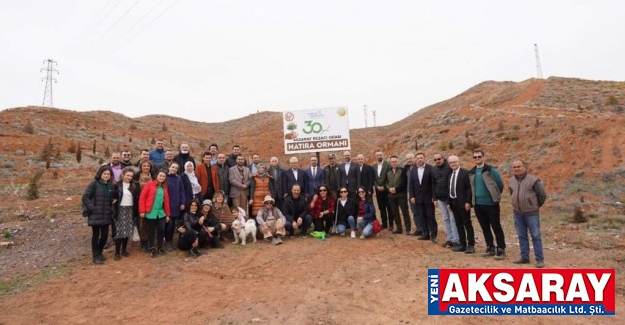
[165,193]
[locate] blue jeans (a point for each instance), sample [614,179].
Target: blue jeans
[367,228]
[450,222]
[532,223]
[352,224]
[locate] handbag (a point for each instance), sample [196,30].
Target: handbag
[377,227]
[135,234]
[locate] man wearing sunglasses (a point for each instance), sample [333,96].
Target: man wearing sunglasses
[486,188]
[440,185]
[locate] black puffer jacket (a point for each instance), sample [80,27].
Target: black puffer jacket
[98,199]
[440,180]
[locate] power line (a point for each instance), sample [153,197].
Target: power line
[116,22]
[138,21]
[93,19]
[99,23]
[144,27]
[50,71]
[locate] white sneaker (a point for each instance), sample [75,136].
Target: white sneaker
[353,235]
[362,236]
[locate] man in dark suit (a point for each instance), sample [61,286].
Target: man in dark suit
[421,193]
[349,174]
[332,176]
[365,174]
[380,168]
[275,173]
[293,175]
[460,203]
[314,175]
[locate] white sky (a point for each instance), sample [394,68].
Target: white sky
[217,60]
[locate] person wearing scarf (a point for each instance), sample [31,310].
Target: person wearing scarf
[193,190]
[98,201]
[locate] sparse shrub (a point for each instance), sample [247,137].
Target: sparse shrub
[416,145]
[572,129]
[611,101]
[55,174]
[57,153]
[133,126]
[101,161]
[94,147]
[443,131]
[202,145]
[103,136]
[579,216]
[592,131]
[32,191]
[46,150]
[129,139]
[7,234]
[442,147]
[579,107]
[618,109]
[153,141]
[48,164]
[29,128]
[171,141]
[500,125]
[537,122]
[515,127]
[78,154]
[107,152]
[164,127]
[450,145]
[71,148]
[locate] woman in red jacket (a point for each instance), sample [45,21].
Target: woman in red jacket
[154,209]
[321,209]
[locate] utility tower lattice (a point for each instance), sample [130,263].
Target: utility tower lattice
[50,70]
[374,123]
[539,70]
[366,123]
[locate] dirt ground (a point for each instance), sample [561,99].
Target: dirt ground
[305,281]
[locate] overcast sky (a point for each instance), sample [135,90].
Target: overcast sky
[217,60]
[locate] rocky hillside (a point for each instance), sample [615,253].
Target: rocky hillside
[570,131]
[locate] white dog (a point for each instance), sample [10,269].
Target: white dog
[242,228]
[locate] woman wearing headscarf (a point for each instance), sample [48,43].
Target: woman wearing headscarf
[98,201]
[366,212]
[154,209]
[177,201]
[127,210]
[321,208]
[261,185]
[192,187]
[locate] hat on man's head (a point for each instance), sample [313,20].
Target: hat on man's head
[331,156]
[207,202]
[268,198]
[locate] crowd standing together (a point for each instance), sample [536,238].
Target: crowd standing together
[164,194]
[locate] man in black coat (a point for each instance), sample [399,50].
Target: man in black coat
[275,173]
[332,176]
[460,203]
[293,175]
[421,193]
[380,168]
[440,186]
[366,176]
[349,174]
[183,157]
